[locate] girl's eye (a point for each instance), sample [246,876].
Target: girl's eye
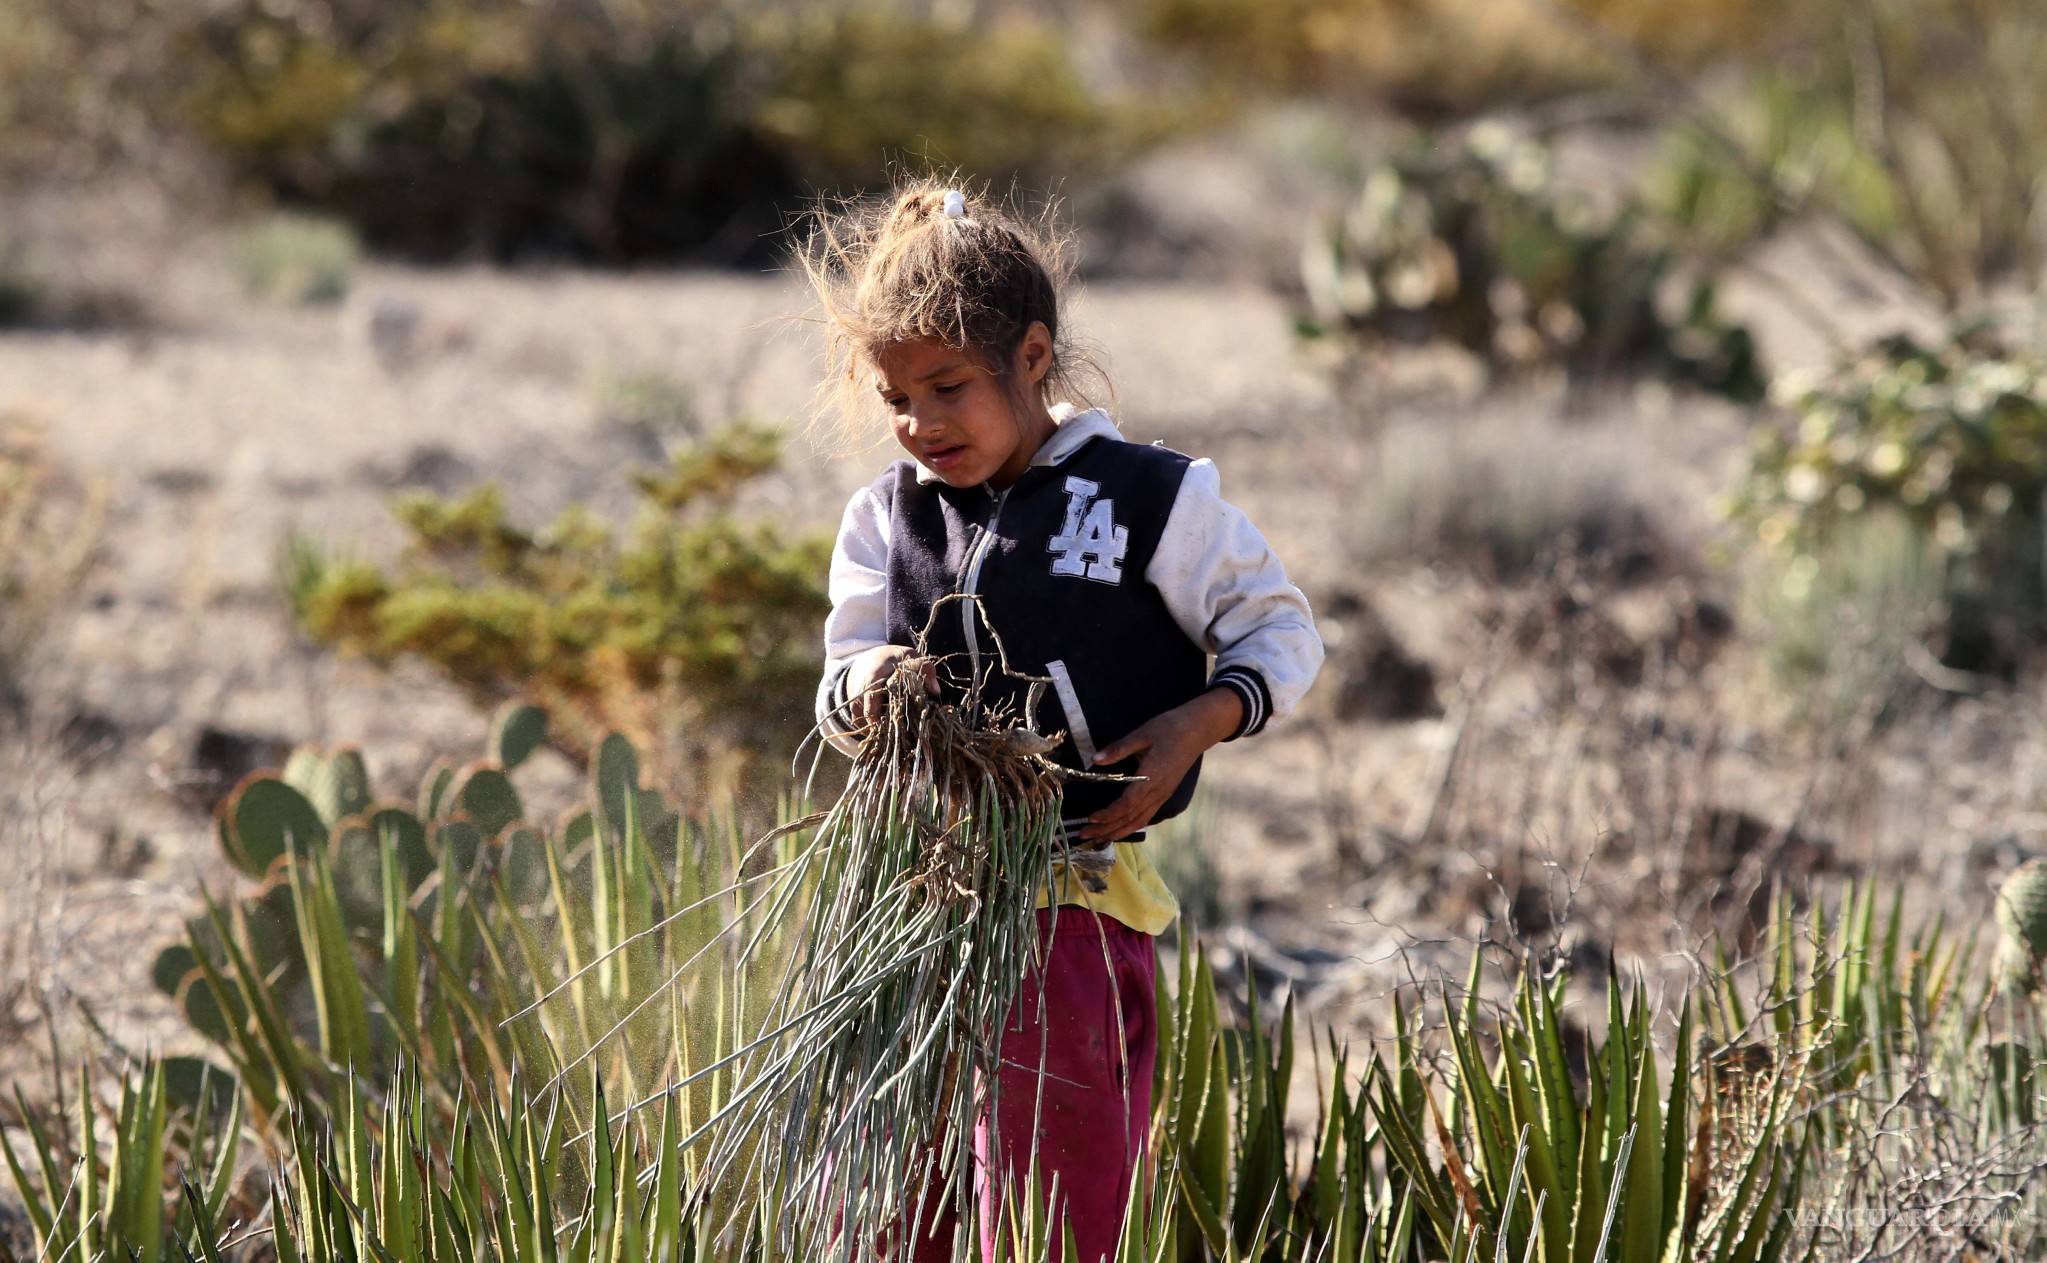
[955,386]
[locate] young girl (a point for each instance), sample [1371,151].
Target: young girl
[1113,568]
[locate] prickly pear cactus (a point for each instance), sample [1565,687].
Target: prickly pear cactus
[1472,242]
[614,780]
[321,806]
[365,928]
[2022,915]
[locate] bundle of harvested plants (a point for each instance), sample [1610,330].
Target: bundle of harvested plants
[854,1096]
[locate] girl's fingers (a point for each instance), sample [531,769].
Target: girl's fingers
[1120,817]
[1123,747]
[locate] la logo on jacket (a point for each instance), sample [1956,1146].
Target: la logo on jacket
[1089,543]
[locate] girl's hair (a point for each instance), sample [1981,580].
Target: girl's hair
[896,268]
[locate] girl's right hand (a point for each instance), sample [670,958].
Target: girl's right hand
[870,669]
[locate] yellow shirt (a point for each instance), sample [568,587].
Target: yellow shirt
[1136,896]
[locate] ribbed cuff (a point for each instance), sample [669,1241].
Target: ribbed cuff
[834,717]
[1250,686]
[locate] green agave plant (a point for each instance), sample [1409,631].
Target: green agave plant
[515,1176]
[488,1075]
[1528,1163]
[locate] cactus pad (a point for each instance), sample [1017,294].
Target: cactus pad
[434,798]
[337,784]
[263,818]
[488,799]
[516,731]
[614,773]
[408,836]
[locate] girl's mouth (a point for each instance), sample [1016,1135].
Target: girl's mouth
[946,457]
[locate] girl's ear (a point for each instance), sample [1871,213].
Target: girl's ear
[1034,352]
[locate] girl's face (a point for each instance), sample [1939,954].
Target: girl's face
[954,418]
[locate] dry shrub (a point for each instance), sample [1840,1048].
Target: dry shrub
[44,284]
[304,260]
[619,131]
[1450,56]
[49,529]
[85,83]
[999,95]
[1506,495]
[1847,624]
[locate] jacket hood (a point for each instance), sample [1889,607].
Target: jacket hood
[1072,427]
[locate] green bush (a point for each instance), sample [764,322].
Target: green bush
[695,632]
[1001,96]
[298,259]
[1447,58]
[1795,151]
[1470,241]
[491,128]
[1950,436]
[1503,1131]
[1917,124]
[617,132]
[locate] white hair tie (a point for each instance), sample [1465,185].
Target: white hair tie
[955,204]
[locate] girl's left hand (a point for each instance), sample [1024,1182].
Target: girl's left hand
[1169,743]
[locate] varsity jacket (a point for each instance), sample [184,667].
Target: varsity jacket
[1115,569]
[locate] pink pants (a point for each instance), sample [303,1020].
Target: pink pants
[1098,1041]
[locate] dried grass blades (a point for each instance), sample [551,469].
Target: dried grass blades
[856,1088]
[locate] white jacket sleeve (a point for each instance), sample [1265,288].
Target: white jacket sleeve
[858,588]
[1227,590]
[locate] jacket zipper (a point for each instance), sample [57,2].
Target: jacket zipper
[973,577]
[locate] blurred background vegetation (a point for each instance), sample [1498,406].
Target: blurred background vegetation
[1464,214]
[628,129]
[1892,483]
